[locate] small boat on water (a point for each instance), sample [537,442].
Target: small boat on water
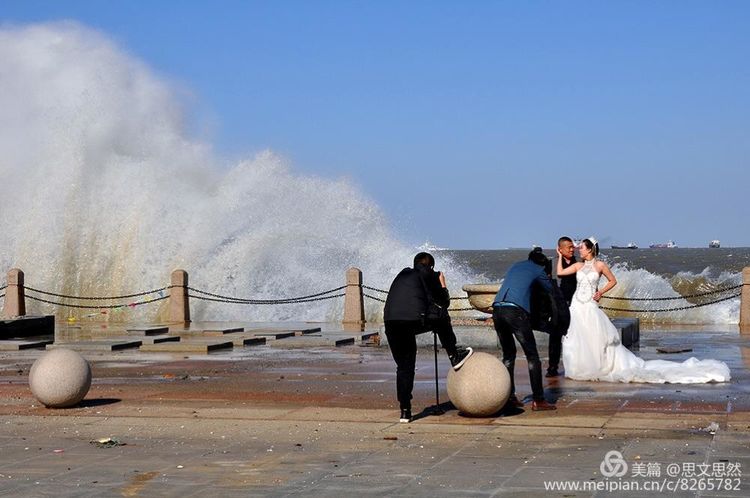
[669,245]
[714,244]
[631,245]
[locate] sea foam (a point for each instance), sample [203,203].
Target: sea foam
[657,292]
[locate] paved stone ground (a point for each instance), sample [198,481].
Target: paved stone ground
[269,421]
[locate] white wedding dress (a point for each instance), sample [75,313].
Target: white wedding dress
[592,349]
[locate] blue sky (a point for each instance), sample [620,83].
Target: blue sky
[472,124]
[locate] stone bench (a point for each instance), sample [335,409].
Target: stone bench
[25,326]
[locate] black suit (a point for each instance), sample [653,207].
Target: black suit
[567,286]
[568,283]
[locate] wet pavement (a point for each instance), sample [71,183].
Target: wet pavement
[321,420]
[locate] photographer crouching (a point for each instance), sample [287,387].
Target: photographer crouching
[418,302]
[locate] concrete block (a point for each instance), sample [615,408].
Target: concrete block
[274,335]
[220,332]
[18,345]
[25,326]
[192,346]
[248,341]
[630,331]
[95,345]
[296,331]
[312,341]
[354,307]
[210,332]
[179,301]
[369,336]
[14,303]
[148,330]
[149,339]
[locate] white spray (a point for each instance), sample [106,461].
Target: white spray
[103,193]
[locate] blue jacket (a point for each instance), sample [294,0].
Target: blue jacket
[519,281]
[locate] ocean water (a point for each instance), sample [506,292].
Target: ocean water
[646,274]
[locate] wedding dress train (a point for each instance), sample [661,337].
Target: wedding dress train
[592,349]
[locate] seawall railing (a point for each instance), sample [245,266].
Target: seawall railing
[179,293]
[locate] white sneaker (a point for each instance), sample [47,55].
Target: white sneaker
[458,359]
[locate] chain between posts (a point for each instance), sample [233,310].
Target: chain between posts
[206,296]
[237,300]
[708,293]
[234,301]
[322,296]
[105,306]
[680,308]
[386,292]
[662,310]
[374,298]
[96,298]
[374,289]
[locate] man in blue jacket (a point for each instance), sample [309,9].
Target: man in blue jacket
[511,316]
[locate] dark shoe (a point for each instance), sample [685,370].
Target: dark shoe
[552,372]
[514,402]
[539,406]
[459,358]
[405,416]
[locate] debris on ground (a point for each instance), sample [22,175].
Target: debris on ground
[107,442]
[711,428]
[674,350]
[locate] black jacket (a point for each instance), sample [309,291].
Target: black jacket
[408,297]
[549,310]
[568,282]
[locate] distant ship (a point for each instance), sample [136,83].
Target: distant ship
[669,245]
[714,244]
[631,245]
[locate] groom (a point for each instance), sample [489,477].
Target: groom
[511,316]
[567,287]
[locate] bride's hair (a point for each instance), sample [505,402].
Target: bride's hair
[591,245]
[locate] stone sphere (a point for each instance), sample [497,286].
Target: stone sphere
[60,378]
[480,387]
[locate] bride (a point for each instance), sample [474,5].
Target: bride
[592,348]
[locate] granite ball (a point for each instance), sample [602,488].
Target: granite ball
[481,387]
[60,378]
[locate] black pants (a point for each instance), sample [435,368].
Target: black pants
[555,344]
[402,339]
[555,349]
[511,321]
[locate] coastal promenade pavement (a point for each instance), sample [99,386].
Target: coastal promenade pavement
[322,421]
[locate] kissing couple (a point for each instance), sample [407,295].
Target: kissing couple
[591,344]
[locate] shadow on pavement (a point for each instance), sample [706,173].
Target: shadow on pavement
[91,403]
